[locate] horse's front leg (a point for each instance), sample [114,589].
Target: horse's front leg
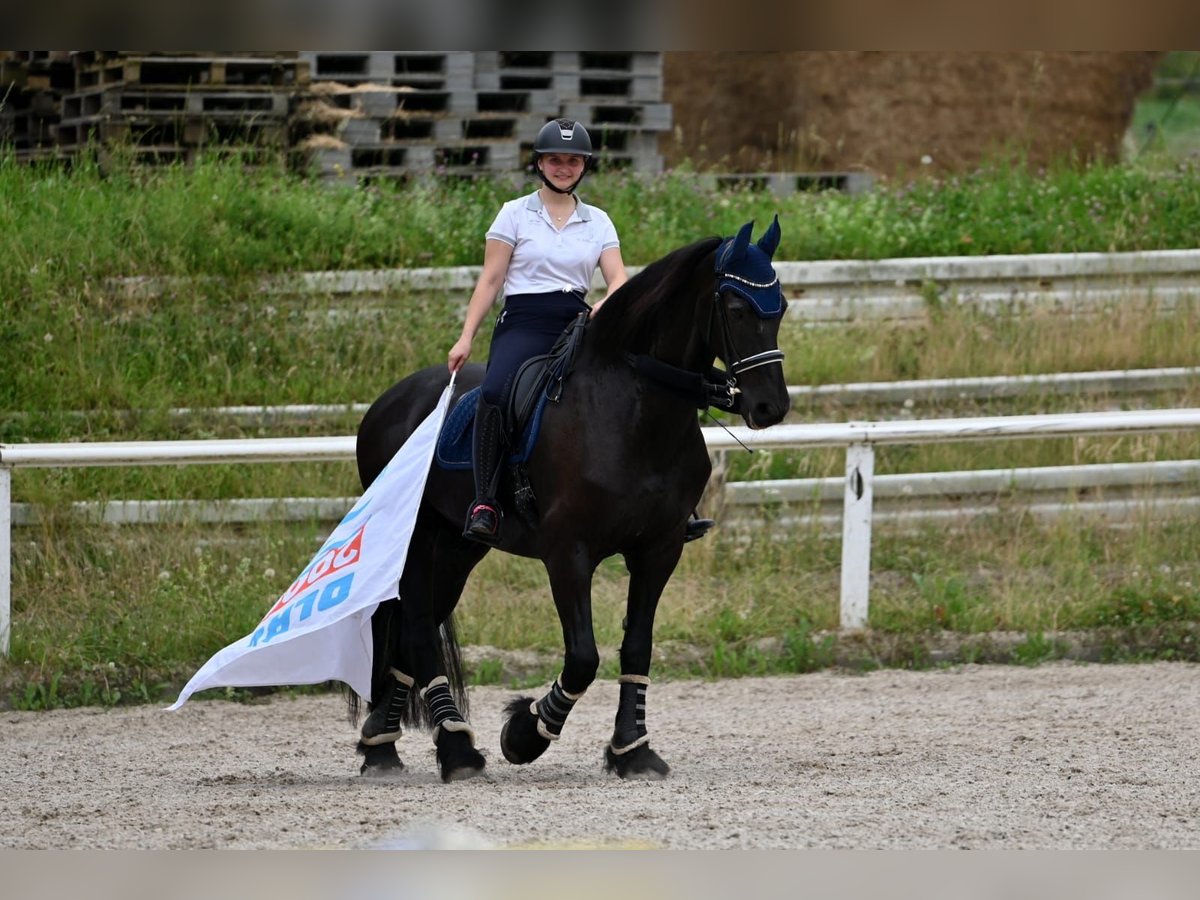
[532,725]
[629,753]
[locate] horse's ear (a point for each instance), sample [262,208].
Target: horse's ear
[769,242]
[741,241]
[735,248]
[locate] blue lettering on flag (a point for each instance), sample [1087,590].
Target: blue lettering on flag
[335,592]
[279,623]
[306,604]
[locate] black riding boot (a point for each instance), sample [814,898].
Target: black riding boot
[483,518]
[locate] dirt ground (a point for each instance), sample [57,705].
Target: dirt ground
[1059,756]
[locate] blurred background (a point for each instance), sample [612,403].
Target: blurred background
[841,118]
[250,244]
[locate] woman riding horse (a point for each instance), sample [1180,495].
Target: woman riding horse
[542,249]
[618,466]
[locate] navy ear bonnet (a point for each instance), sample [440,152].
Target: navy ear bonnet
[745,269]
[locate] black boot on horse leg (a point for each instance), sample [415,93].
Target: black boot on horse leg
[629,753]
[483,518]
[381,730]
[531,724]
[455,740]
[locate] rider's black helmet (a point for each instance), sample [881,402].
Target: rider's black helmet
[563,136]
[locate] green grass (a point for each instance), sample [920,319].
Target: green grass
[107,615]
[104,616]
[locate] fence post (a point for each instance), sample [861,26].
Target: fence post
[5,557]
[856,534]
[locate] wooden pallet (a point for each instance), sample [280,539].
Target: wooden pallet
[621,115]
[176,72]
[168,131]
[215,102]
[418,69]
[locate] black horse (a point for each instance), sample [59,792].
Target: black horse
[619,466]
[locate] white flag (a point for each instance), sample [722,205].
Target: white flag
[320,627]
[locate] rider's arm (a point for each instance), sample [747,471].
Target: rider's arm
[496,256]
[612,267]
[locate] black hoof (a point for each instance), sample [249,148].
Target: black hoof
[380,759]
[457,757]
[640,763]
[519,739]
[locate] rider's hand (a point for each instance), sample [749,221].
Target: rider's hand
[459,354]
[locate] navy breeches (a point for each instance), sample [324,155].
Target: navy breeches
[528,326]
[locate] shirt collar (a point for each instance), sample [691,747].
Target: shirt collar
[534,202]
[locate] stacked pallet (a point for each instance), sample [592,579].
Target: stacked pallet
[166,108]
[32,84]
[618,95]
[396,113]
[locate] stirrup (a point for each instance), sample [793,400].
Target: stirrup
[697,528]
[483,523]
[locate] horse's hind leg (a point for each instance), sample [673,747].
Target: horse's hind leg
[430,589]
[381,729]
[628,753]
[418,673]
[390,689]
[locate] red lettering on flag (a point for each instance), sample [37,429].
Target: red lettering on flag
[333,560]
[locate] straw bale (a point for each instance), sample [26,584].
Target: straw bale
[896,112]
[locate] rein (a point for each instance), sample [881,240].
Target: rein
[714,389]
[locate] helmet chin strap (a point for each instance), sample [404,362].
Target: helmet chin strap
[555,188]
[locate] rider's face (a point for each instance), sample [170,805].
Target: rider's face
[561,168]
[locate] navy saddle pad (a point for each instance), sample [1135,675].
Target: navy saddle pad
[454,442]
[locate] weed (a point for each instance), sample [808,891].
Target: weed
[1035,649]
[487,671]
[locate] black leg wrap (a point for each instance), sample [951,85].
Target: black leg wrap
[629,754]
[453,737]
[383,724]
[443,713]
[631,715]
[553,709]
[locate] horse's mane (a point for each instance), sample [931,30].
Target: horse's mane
[627,317]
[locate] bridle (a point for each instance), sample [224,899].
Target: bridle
[737,363]
[715,388]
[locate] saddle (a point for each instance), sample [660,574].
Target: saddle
[541,378]
[538,380]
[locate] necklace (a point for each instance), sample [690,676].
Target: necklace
[557,218]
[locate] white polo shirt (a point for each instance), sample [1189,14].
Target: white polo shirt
[544,258]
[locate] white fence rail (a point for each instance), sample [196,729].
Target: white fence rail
[1111,489]
[838,290]
[1117,382]
[859,438]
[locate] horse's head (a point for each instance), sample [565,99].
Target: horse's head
[749,306]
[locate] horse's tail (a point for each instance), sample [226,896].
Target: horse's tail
[385,633]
